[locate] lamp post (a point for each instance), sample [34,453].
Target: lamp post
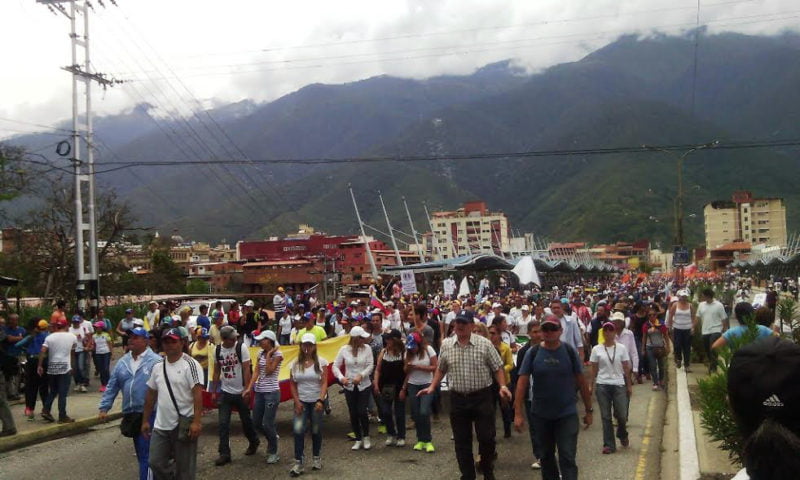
[678,239]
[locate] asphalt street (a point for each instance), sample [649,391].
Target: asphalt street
[104,453]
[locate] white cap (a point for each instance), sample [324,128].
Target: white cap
[377,311]
[618,316]
[249,303]
[266,334]
[525,308]
[138,322]
[683,292]
[359,332]
[309,338]
[496,305]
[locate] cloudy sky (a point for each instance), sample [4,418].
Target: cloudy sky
[220,52]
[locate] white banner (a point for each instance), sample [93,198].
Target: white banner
[408,281]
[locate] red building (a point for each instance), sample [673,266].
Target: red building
[316,245]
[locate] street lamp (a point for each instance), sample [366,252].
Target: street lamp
[679,199]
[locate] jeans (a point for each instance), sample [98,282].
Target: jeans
[682,338]
[35,384]
[643,366]
[264,412]
[59,385]
[79,360]
[357,406]
[284,339]
[226,403]
[393,414]
[608,397]
[141,445]
[708,340]
[657,366]
[5,411]
[537,451]
[561,433]
[421,411]
[102,362]
[476,408]
[165,447]
[313,416]
[506,410]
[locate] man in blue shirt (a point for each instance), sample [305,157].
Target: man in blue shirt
[555,370]
[14,333]
[203,320]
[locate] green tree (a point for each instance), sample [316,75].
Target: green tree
[197,286]
[166,276]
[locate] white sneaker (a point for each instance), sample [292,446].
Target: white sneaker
[357,445]
[84,389]
[77,388]
[391,441]
[273,458]
[297,469]
[536,465]
[401,442]
[316,463]
[367,443]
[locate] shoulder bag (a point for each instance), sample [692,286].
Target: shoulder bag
[183,422]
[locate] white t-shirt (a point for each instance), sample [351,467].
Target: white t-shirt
[81,334]
[230,373]
[609,363]
[308,381]
[451,315]
[59,352]
[514,315]
[102,343]
[418,377]
[183,376]
[285,325]
[711,315]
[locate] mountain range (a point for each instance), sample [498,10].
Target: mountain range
[632,92]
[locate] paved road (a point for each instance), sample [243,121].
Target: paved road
[104,453]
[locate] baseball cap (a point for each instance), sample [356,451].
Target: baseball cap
[138,323]
[525,308]
[413,340]
[307,315]
[128,310]
[618,316]
[266,334]
[139,332]
[764,383]
[683,292]
[249,303]
[280,289]
[496,305]
[99,324]
[42,324]
[359,332]
[202,332]
[227,332]
[311,338]
[464,317]
[552,319]
[173,333]
[393,333]
[218,314]
[60,322]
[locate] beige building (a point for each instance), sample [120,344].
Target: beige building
[470,229]
[745,219]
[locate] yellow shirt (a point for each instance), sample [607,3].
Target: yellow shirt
[201,354]
[508,360]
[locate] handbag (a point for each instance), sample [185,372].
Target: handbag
[184,422]
[659,352]
[131,425]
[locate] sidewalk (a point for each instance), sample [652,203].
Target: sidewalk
[80,406]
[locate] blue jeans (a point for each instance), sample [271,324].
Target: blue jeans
[537,451]
[102,362]
[299,426]
[226,403]
[561,433]
[421,411]
[79,368]
[357,406]
[683,345]
[59,385]
[657,366]
[264,412]
[615,396]
[393,414]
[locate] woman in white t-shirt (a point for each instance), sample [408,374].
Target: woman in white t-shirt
[309,386]
[420,363]
[611,371]
[268,391]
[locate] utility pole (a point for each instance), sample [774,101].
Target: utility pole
[433,234]
[87,282]
[414,232]
[372,266]
[391,232]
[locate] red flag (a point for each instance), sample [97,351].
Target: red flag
[378,304]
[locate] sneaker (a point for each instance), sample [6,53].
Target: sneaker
[77,388]
[28,412]
[84,389]
[401,442]
[356,446]
[252,448]
[382,429]
[625,442]
[48,417]
[297,469]
[687,369]
[66,420]
[429,447]
[655,388]
[390,441]
[8,433]
[222,460]
[607,450]
[536,465]
[367,444]
[316,463]
[273,458]
[419,446]
[351,435]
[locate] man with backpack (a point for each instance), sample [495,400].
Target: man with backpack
[231,373]
[556,371]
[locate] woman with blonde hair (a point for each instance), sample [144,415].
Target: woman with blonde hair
[357,360]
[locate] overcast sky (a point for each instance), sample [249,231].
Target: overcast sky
[227,51]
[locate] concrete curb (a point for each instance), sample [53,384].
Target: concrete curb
[24,439]
[689,459]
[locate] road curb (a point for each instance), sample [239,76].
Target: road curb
[24,439]
[687,440]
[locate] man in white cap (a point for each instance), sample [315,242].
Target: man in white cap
[231,373]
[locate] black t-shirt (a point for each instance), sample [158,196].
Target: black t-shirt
[250,324]
[437,333]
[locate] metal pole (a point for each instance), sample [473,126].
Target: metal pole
[391,232]
[80,274]
[433,234]
[372,266]
[414,232]
[94,279]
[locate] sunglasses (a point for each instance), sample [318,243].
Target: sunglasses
[549,327]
